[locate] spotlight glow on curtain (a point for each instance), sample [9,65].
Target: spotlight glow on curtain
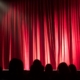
[41,29]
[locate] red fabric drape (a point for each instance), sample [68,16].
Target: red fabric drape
[48,30]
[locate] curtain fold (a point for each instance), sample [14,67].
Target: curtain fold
[48,30]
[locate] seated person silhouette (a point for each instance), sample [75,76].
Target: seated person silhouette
[36,70]
[63,70]
[72,68]
[73,71]
[15,69]
[48,72]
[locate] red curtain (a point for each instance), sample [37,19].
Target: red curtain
[48,30]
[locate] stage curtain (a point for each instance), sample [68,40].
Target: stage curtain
[48,30]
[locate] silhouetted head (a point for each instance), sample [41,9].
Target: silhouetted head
[15,66]
[48,68]
[37,62]
[72,68]
[37,66]
[63,68]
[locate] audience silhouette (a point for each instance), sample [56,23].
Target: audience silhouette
[37,66]
[38,72]
[48,68]
[73,71]
[63,70]
[16,69]
[72,68]
[48,72]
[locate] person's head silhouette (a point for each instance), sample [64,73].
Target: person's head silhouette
[63,68]
[15,65]
[72,68]
[37,66]
[48,68]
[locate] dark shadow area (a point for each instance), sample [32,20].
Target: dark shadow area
[38,72]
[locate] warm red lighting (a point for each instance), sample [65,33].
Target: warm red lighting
[49,34]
